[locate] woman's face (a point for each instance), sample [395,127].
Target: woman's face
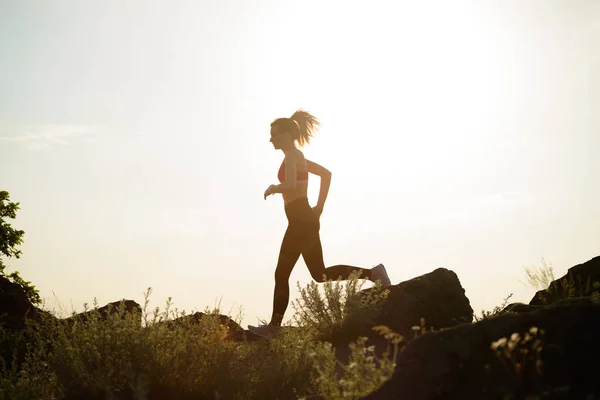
[279,139]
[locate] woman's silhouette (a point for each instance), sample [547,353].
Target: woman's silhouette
[302,234]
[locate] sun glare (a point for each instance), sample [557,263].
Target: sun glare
[410,124]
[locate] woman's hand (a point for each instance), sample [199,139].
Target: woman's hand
[269,191]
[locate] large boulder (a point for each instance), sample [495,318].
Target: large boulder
[431,301]
[437,298]
[577,282]
[459,363]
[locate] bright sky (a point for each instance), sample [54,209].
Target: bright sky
[135,136]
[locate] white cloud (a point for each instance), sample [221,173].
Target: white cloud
[41,137]
[34,146]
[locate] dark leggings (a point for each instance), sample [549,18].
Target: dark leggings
[302,238]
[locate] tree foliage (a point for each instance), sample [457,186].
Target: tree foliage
[10,239]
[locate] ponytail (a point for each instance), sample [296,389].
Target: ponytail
[301,125]
[307,126]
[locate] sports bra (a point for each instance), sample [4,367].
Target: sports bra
[301,177]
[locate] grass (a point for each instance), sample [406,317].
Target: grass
[133,355]
[541,277]
[363,373]
[497,310]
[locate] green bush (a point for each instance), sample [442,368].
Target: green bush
[133,355]
[341,311]
[364,372]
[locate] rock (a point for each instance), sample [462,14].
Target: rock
[519,308]
[522,308]
[15,307]
[437,297]
[577,282]
[15,312]
[234,331]
[451,364]
[104,312]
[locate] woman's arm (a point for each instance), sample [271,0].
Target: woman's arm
[325,175]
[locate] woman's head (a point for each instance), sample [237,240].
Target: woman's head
[300,127]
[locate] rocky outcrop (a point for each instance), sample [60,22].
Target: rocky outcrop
[459,363]
[431,301]
[234,331]
[121,308]
[582,280]
[15,307]
[16,310]
[522,307]
[436,297]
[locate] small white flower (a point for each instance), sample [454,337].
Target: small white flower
[533,330]
[499,343]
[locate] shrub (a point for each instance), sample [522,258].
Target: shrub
[342,311]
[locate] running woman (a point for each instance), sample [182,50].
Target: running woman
[302,234]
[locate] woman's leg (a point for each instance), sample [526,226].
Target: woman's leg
[288,256]
[313,257]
